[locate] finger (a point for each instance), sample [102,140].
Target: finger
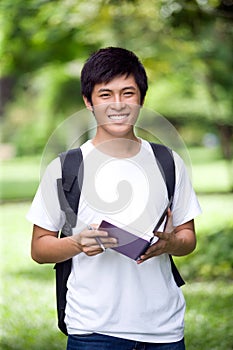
[95,232]
[159,234]
[109,243]
[169,215]
[142,258]
[93,226]
[169,224]
[95,249]
[164,236]
[97,240]
[91,252]
[154,250]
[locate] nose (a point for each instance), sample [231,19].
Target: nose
[118,104]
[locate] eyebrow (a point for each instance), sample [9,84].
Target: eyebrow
[125,88]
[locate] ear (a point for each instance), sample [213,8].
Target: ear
[88,103]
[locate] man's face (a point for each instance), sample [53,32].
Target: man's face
[116,105]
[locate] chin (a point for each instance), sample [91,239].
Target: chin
[120,130]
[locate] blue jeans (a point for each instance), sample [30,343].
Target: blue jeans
[97,341]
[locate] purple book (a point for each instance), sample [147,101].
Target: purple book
[128,243]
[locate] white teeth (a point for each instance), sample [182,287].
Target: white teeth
[118,117]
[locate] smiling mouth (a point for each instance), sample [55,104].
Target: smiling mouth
[117,117]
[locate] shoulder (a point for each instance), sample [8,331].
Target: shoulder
[51,171]
[86,148]
[183,166]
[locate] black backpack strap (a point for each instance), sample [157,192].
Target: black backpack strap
[69,187]
[69,191]
[165,161]
[72,176]
[166,164]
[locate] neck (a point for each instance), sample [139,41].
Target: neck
[118,147]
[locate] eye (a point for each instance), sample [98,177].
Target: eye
[105,95]
[128,93]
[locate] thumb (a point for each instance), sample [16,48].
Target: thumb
[169,224]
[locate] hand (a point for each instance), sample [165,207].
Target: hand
[88,244]
[166,241]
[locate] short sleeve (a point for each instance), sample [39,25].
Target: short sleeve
[45,208]
[185,204]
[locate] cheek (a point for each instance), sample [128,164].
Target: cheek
[135,110]
[100,112]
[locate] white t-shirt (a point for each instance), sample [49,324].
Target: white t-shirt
[109,293]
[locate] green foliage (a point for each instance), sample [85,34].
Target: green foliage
[213,257]
[47,31]
[46,100]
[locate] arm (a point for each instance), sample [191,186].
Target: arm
[46,247]
[178,241]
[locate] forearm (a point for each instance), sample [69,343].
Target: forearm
[184,242]
[178,241]
[50,249]
[47,248]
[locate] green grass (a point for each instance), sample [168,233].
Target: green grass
[212,177]
[217,212]
[19,178]
[210,172]
[28,309]
[208,318]
[201,155]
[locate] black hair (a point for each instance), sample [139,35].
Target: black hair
[106,64]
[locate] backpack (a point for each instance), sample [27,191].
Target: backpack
[69,190]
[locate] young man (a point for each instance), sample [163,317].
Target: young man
[113,301]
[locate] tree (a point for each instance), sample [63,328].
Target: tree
[210,26]
[39,33]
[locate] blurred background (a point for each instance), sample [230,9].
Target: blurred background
[186,48]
